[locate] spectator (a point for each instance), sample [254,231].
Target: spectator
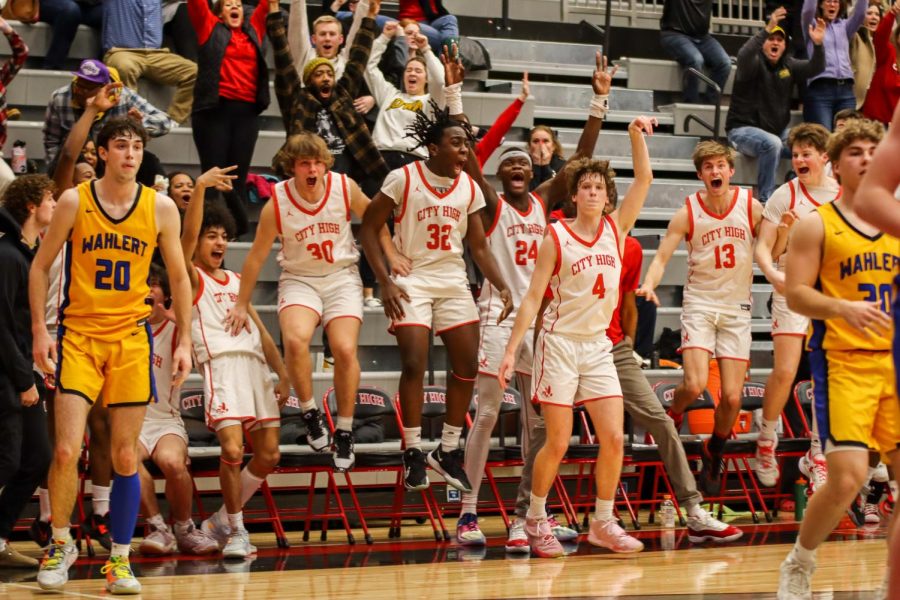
[884,92]
[546,154]
[27,209]
[7,73]
[684,35]
[132,41]
[423,80]
[832,89]
[89,152]
[181,186]
[64,16]
[232,89]
[434,20]
[325,105]
[68,102]
[862,52]
[178,30]
[346,17]
[495,134]
[760,108]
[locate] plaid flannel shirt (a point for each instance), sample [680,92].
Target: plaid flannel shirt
[7,72]
[62,114]
[299,106]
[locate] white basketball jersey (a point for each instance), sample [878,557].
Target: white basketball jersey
[514,238]
[429,226]
[585,282]
[316,238]
[164,339]
[800,199]
[214,300]
[55,292]
[720,254]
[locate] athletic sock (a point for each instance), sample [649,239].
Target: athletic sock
[249,484]
[44,503]
[603,510]
[236,521]
[412,437]
[100,495]
[815,446]
[767,430]
[125,496]
[716,444]
[344,423]
[306,405]
[157,522]
[537,509]
[450,435]
[696,511]
[61,534]
[120,550]
[469,504]
[182,527]
[803,556]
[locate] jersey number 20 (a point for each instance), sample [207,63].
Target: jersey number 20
[113,275]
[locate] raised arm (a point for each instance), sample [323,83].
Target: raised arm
[808,14]
[875,201]
[193,216]
[679,228]
[102,101]
[856,18]
[362,9]
[434,70]
[381,89]
[156,122]
[298,34]
[496,133]
[882,38]
[627,212]
[169,221]
[287,82]
[354,73]
[19,53]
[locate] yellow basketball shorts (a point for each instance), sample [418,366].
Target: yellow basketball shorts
[855,400]
[120,372]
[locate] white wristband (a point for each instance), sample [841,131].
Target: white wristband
[453,98]
[599,106]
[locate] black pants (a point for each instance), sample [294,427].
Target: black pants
[26,453]
[226,136]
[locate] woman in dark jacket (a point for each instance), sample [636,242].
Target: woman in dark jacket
[232,89]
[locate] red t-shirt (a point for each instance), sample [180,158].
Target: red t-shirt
[630,280]
[237,80]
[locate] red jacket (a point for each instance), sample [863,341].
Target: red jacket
[884,91]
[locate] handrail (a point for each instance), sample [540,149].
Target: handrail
[503,23]
[729,16]
[718,114]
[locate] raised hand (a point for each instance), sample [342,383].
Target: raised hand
[454,72]
[390,29]
[106,98]
[643,124]
[364,104]
[374,7]
[135,114]
[218,178]
[602,78]
[817,32]
[419,41]
[776,17]
[526,90]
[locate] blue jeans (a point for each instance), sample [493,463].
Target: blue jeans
[346,19]
[64,16]
[697,53]
[767,148]
[438,30]
[825,97]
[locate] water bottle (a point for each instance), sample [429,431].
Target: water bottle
[799,499]
[19,158]
[667,512]
[667,539]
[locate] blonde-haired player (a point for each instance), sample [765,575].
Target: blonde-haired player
[840,273]
[719,224]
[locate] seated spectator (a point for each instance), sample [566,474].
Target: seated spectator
[232,89]
[324,105]
[760,108]
[884,92]
[862,52]
[177,29]
[434,20]
[7,72]
[132,41]
[546,155]
[67,105]
[684,35]
[346,16]
[181,186]
[64,16]
[423,79]
[832,89]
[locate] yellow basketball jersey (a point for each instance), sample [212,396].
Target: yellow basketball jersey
[854,267]
[107,265]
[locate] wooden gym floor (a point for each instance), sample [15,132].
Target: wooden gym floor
[851,566]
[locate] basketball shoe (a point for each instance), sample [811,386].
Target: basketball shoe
[766,462]
[238,545]
[450,466]
[159,541]
[54,572]
[316,433]
[795,581]
[517,541]
[120,578]
[608,534]
[414,475]
[468,532]
[542,541]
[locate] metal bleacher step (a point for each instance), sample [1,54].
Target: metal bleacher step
[659,74]
[541,58]
[564,95]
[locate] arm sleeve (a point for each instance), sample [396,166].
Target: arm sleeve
[202,19]
[393,186]
[362,9]
[856,18]
[156,122]
[498,130]
[807,17]
[286,79]
[882,39]
[298,41]
[748,56]
[354,72]
[435,76]
[381,89]
[258,19]
[19,54]
[16,366]
[812,67]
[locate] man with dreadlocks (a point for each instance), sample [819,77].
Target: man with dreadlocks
[435,207]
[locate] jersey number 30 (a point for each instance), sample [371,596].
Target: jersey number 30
[113,275]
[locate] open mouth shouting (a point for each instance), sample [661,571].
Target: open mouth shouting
[717,183]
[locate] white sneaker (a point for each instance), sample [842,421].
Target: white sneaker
[54,571]
[517,542]
[766,462]
[158,542]
[795,582]
[373,302]
[872,515]
[815,469]
[219,531]
[707,528]
[239,545]
[196,541]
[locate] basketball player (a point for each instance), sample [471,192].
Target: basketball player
[514,222]
[237,386]
[793,200]
[319,282]
[435,206]
[840,273]
[164,440]
[581,261]
[877,204]
[111,227]
[719,224]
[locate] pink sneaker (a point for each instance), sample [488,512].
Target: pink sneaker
[608,534]
[543,543]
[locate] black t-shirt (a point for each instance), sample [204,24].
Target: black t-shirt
[328,131]
[690,17]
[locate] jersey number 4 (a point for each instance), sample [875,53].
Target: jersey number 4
[525,253]
[599,287]
[440,237]
[323,251]
[113,275]
[725,256]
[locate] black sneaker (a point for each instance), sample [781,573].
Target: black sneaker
[40,532]
[414,475]
[316,434]
[450,466]
[711,472]
[98,528]
[344,458]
